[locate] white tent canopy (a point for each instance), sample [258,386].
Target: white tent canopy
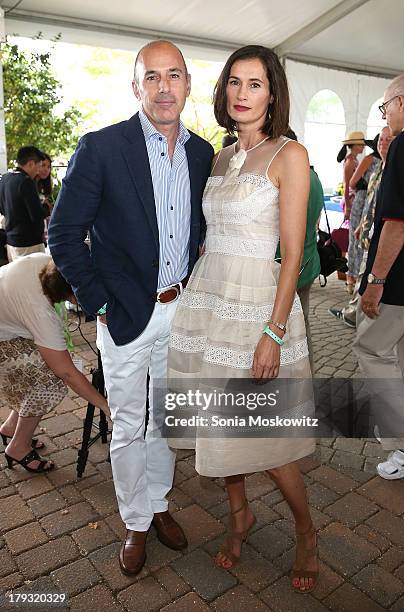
[363,34]
[351,46]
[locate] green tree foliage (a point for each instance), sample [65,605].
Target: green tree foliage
[33,105]
[198,115]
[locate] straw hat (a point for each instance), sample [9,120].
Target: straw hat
[355,138]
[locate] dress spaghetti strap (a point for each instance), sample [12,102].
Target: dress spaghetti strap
[216,160]
[286,140]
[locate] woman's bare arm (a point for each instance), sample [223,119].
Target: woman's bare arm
[294,187]
[293,171]
[360,171]
[349,169]
[63,367]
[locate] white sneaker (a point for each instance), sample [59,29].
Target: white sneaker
[393,468]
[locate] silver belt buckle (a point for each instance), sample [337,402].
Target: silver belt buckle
[168,289]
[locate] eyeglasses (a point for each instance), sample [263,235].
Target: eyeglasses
[383,107]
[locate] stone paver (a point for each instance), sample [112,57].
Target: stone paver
[172,582]
[380,585]
[13,513]
[62,533]
[207,580]
[239,599]
[191,601]
[351,509]
[47,503]
[344,551]
[349,599]
[76,577]
[67,520]
[281,598]
[97,598]
[49,556]
[92,536]
[147,594]
[23,538]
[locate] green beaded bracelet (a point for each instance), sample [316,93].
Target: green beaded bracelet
[272,335]
[101,311]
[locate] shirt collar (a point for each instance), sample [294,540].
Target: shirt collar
[19,169]
[150,131]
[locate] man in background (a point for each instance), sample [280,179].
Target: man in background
[379,343]
[20,204]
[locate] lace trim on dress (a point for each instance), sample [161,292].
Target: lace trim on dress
[188,344]
[244,247]
[247,177]
[232,358]
[233,311]
[240,212]
[255,179]
[214,180]
[244,359]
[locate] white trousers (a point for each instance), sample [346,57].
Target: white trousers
[142,466]
[379,346]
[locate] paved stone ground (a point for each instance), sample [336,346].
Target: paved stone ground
[63,533]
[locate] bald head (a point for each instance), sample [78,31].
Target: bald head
[155,45]
[162,84]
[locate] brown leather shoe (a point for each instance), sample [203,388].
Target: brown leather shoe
[168,531]
[133,554]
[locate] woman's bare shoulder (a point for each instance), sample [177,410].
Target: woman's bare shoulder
[293,152]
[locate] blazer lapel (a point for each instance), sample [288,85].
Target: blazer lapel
[135,153]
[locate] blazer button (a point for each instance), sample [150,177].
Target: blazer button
[155,263]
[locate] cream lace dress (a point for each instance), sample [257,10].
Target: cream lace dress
[228,300]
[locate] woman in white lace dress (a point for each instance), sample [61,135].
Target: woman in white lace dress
[256,195]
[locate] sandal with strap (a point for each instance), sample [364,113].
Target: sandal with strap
[35,443]
[303,555]
[31,456]
[238,536]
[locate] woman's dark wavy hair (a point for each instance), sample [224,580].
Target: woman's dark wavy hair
[342,153]
[277,121]
[54,286]
[45,185]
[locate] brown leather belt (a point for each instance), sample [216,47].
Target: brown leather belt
[170,294]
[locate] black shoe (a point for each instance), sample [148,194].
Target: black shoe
[44,464]
[35,443]
[338,314]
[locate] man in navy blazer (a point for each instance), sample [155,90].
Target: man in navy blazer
[137,187]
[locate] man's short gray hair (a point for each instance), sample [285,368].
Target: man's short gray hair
[396,87]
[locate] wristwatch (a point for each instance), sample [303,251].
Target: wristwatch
[373,280]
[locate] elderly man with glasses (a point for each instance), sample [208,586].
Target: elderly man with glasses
[379,342]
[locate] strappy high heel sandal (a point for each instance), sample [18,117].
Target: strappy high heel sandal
[35,443]
[303,555]
[238,536]
[31,456]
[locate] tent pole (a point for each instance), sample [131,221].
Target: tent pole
[3,150]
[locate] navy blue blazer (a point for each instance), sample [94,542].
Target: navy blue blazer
[108,190]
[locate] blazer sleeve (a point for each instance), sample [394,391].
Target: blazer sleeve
[73,215]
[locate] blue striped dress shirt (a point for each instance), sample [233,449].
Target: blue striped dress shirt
[172,197]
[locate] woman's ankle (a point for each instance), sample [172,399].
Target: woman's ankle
[305,528]
[17,451]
